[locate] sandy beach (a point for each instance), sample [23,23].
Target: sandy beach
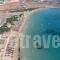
[24,18]
[26,14]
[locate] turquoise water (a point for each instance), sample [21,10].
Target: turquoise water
[42,22]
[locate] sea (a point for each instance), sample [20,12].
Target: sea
[43,21]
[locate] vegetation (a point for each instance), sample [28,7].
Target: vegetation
[9,21]
[2,29]
[12,19]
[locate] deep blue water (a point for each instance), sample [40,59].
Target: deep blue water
[42,22]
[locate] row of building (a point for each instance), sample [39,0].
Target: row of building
[8,1]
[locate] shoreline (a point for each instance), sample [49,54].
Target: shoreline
[26,15]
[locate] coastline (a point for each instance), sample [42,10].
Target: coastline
[17,34]
[26,15]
